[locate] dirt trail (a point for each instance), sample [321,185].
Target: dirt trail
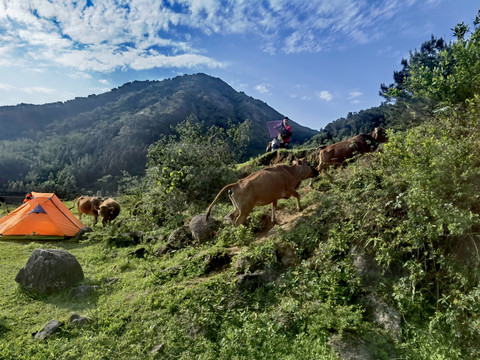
[285,219]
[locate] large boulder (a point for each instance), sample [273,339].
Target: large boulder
[48,271]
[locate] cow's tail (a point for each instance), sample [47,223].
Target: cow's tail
[74,203]
[216,198]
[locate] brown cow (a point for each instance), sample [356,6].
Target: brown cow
[264,187]
[88,205]
[109,210]
[339,152]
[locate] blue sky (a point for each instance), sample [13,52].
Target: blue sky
[312,60]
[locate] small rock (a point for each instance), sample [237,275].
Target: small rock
[180,238]
[82,232]
[139,253]
[350,347]
[217,261]
[83,291]
[110,281]
[287,255]
[79,320]
[157,349]
[253,281]
[49,329]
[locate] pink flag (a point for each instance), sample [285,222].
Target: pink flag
[271,127]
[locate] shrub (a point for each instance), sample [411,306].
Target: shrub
[185,169]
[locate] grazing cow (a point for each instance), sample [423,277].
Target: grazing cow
[88,205]
[109,210]
[339,152]
[264,187]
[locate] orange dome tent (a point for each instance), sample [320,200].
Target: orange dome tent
[42,215]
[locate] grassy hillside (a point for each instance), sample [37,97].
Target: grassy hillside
[297,291]
[182,301]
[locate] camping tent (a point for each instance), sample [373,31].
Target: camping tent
[42,215]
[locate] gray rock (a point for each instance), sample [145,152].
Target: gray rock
[215,262]
[49,329]
[384,315]
[350,347]
[203,230]
[110,281]
[257,279]
[48,271]
[157,349]
[83,291]
[139,253]
[287,256]
[366,267]
[79,320]
[82,232]
[180,238]
[249,281]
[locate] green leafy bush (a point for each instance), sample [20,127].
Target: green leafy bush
[185,169]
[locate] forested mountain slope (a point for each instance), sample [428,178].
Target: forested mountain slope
[77,143]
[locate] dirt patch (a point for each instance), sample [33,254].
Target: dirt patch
[285,218]
[283,157]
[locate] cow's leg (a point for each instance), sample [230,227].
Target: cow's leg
[94,219]
[241,219]
[235,214]
[79,215]
[325,169]
[274,208]
[242,216]
[322,166]
[297,196]
[232,216]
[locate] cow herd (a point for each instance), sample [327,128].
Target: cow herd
[271,184]
[263,187]
[340,152]
[108,209]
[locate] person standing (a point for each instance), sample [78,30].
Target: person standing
[283,138]
[285,134]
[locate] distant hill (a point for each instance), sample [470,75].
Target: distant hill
[100,136]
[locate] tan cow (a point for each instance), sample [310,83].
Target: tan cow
[88,205]
[339,152]
[109,210]
[264,187]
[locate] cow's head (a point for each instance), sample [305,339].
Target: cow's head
[306,170]
[379,135]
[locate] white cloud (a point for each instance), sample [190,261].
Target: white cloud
[353,96]
[6,87]
[263,88]
[80,75]
[28,90]
[325,95]
[38,89]
[144,34]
